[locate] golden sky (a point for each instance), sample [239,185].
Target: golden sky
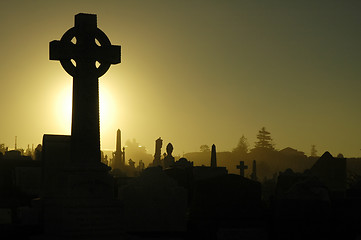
[193,72]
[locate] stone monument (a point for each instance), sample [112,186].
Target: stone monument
[213,157]
[157,154]
[241,168]
[85,140]
[118,160]
[78,193]
[169,159]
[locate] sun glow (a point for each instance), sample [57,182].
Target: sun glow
[63,109]
[107,109]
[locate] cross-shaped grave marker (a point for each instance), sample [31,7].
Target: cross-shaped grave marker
[90,49]
[241,168]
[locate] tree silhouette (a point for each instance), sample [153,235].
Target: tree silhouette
[242,147]
[264,139]
[204,148]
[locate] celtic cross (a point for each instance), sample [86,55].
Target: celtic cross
[90,49]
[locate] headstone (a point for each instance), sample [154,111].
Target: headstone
[78,193]
[183,163]
[153,202]
[118,154]
[226,201]
[241,168]
[169,159]
[157,154]
[123,155]
[213,157]
[85,141]
[12,154]
[332,172]
[302,207]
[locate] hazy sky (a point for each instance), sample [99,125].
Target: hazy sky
[193,72]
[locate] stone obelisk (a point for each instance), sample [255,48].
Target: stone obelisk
[213,157]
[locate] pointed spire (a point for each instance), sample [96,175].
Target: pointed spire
[213,157]
[118,147]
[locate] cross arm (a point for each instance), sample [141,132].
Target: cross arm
[108,54]
[59,50]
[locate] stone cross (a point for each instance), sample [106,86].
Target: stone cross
[241,168]
[90,49]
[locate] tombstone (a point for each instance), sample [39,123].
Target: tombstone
[118,162]
[12,154]
[153,202]
[302,207]
[241,168]
[203,172]
[157,155]
[169,159]
[213,157]
[78,192]
[85,142]
[182,173]
[332,172]
[225,201]
[123,160]
[183,163]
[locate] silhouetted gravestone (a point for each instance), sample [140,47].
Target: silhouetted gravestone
[118,157]
[302,207]
[225,201]
[153,202]
[85,141]
[78,193]
[332,172]
[157,154]
[169,159]
[241,168]
[213,157]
